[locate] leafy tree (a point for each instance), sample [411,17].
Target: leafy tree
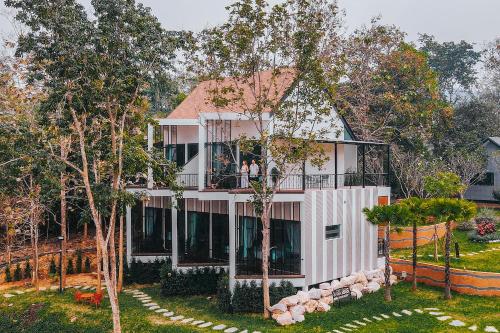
[286,42]
[397,215]
[444,185]
[455,64]
[449,210]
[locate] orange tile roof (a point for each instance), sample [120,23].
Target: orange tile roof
[200,99]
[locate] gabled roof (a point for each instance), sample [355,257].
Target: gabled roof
[200,99]
[494,139]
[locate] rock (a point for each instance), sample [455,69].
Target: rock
[314,293]
[299,318]
[324,286]
[326,292]
[303,297]
[356,286]
[356,294]
[379,280]
[457,323]
[278,308]
[311,306]
[371,287]
[297,310]
[490,329]
[361,278]
[335,285]
[348,280]
[393,279]
[473,328]
[443,318]
[373,274]
[285,319]
[219,327]
[327,299]
[322,307]
[290,300]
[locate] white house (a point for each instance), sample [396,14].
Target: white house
[483,189]
[318,230]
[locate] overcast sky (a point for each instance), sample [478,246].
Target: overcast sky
[475,21]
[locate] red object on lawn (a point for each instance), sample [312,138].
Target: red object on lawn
[97,299]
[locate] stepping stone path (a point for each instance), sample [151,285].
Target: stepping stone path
[359,323]
[205,325]
[231,330]
[377,318]
[168,314]
[8,295]
[187,320]
[473,328]
[385,316]
[395,314]
[490,329]
[436,313]
[177,318]
[219,327]
[197,322]
[457,323]
[443,318]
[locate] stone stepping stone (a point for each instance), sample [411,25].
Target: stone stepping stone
[377,318]
[406,312]
[336,331]
[359,322]
[177,318]
[231,330]
[8,295]
[368,320]
[431,309]
[219,327]
[436,313]
[395,314]
[147,300]
[457,323]
[473,328]
[19,292]
[418,311]
[154,307]
[77,287]
[205,325]
[187,320]
[86,288]
[168,314]
[197,322]
[161,310]
[490,329]
[150,304]
[443,318]
[42,288]
[54,287]
[30,290]
[351,325]
[346,329]
[385,316]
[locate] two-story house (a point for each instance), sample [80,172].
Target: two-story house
[318,230]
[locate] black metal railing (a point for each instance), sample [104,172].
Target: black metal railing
[187,180]
[278,265]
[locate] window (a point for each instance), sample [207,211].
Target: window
[488,179]
[192,150]
[332,231]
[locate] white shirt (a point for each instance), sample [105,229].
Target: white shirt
[254,170]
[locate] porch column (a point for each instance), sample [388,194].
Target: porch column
[336,164]
[175,246]
[150,149]
[128,223]
[232,242]
[202,135]
[303,242]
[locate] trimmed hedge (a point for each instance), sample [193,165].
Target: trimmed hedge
[8,275]
[191,282]
[144,272]
[27,270]
[223,298]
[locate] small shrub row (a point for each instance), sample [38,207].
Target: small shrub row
[19,273]
[247,297]
[199,281]
[70,267]
[144,272]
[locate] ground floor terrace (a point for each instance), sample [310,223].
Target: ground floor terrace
[315,235]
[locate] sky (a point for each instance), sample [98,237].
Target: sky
[475,21]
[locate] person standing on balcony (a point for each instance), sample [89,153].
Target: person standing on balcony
[244,175]
[254,171]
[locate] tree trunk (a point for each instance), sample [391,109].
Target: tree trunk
[414,277]
[112,256]
[85,231]
[435,243]
[98,263]
[387,272]
[447,281]
[120,256]
[63,227]
[265,261]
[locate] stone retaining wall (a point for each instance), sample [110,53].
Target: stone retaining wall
[462,281]
[404,239]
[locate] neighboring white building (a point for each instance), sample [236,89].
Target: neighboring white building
[483,189]
[318,230]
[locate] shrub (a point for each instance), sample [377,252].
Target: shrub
[485,228]
[223,298]
[27,270]
[145,272]
[247,297]
[475,237]
[69,267]
[18,276]
[8,275]
[79,261]
[190,282]
[467,225]
[86,267]
[52,267]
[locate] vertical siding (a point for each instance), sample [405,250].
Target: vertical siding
[355,249]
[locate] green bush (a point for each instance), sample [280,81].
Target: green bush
[475,237]
[79,262]
[27,270]
[467,225]
[223,298]
[87,268]
[52,267]
[8,275]
[190,282]
[69,267]
[144,272]
[18,275]
[247,297]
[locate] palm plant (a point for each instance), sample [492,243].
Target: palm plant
[397,215]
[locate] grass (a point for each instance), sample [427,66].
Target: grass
[55,313]
[485,262]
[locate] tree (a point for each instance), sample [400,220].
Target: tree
[397,215]
[443,185]
[97,73]
[255,52]
[449,210]
[455,64]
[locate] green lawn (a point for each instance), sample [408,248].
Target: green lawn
[486,262]
[55,313]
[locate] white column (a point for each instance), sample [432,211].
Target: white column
[128,222]
[202,134]
[232,242]
[150,149]
[174,234]
[303,241]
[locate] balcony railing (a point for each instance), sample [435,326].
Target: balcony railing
[278,265]
[187,180]
[299,181]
